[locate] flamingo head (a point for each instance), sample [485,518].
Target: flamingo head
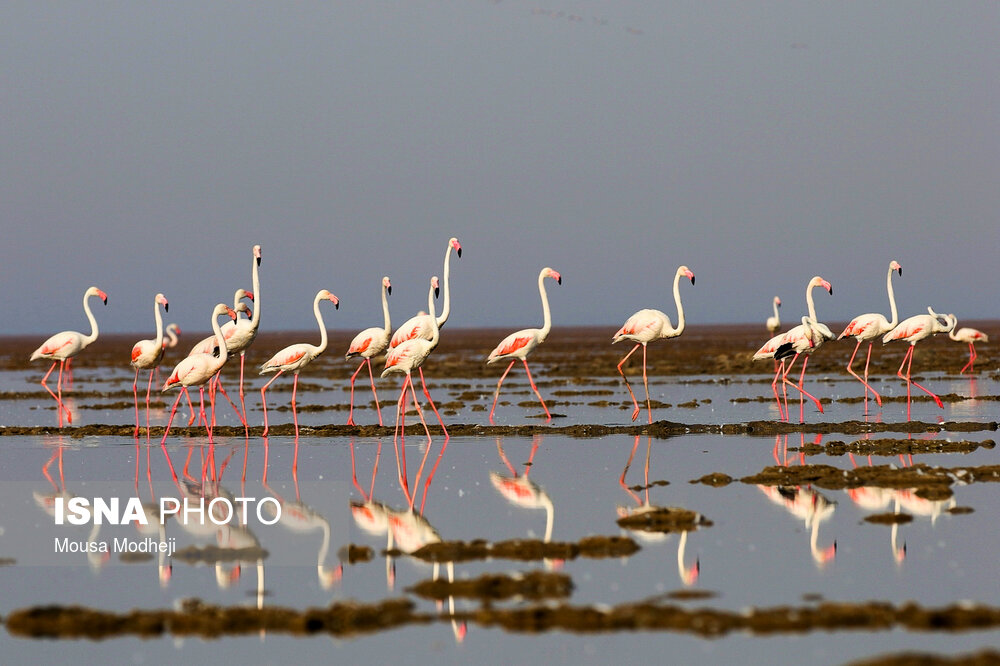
[548,272]
[453,242]
[777,301]
[162,300]
[894,266]
[686,272]
[165,574]
[689,576]
[387,285]
[94,291]
[256,254]
[241,294]
[435,285]
[820,282]
[326,295]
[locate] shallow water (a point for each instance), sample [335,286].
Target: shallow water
[766,546]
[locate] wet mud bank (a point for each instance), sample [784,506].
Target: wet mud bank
[523,550]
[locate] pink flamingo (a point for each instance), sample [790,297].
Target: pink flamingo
[245,332]
[913,330]
[209,344]
[773,322]
[146,355]
[802,339]
[421,325]
[295,357]
[403,359]
[646,326]
[868,327]
[969,335]
[198,370]
[370,343]
[519,344]
[63,346]
[171,332]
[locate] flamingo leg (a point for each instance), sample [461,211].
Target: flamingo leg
[243,404]
[548,417]
[635,403]
[208,427]
[645,383]
[937,400]
[263,399]
[774,386]
[295,415]
[868,358]
[972,358]
[427,450]
[371,376]
[149,389]
[220,388]
[190,409]
[800,389]
[135,398]
[401,458]
[350,414]
[427,394]
[864,381]
[170,420]
[59,405]
[497,394]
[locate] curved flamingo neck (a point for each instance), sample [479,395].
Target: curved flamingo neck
[809,301]
[322,327]
[220,339]
[953,330]
[546,314]
[777,317]
[892,300]
[446,310]
[255,317]
[87,339]
[385,313]
[680,308]
[436,334]
[159,324]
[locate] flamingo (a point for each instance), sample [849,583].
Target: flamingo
[645,326]
[969,335]
[245,331]
[209,344]
[421,325]
[146,355]
[519,344]
[802,339]
[773,323]
[171,332]
[63,346]
[868,327]
[198,370]
[913,330]
[404,359]
[370,343]
[295,357]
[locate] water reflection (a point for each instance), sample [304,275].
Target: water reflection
[687,573]
[803,502]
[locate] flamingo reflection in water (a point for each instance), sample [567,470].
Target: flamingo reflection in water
[371,515]
[804,503]
[520,491]
[688,574]
[47,502]
[301,519]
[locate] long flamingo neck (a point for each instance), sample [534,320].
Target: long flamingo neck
[436,335]
[93,323]
[446,310]
[322,327]
[159,325]
[892,300]
[809,302]
[680,308]
[220,339]
[546,314]
[255,318]
[385,312]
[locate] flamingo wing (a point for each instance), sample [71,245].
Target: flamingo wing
[518,344]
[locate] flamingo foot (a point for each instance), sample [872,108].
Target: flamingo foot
[635,413]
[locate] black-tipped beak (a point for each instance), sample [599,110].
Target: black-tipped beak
[336,306]
[166,307]
[900,271]
[437,292]
[388,290]
[692,279]
[559,281]
[105,300]
[831,290]
[459,252]
[258,261]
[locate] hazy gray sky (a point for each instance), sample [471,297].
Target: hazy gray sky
[146,147]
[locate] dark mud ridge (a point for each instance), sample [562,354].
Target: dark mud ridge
[534,585]
[195,618]
[893,447]
[523,549]
[659,429]
[931,483]
[664,519]
[983,658]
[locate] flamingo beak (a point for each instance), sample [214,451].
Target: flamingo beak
[166,307]
[690,276]
[900,271]
[388,290]
[248,294]
[437,292]
[458,247]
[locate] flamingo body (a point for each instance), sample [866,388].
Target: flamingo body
[370,343]
[969,336]
[773,322]
[913,330]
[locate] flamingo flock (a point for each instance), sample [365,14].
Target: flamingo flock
[412,343]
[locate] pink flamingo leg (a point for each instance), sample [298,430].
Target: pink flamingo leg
[295,414]
[243,404]
[149,389]
[194,415]
[59,405]
[645,382]
[220,388]
[135,398]
[778,368]
[864,381]
[401,457]
[799,388]
[423,461]
[497,394]
[427,394]
[263,399]
[208,428]
[170,420]
[635,403]
[350,414]
[378,408]
[548,417]
[937,400]
[972,359]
